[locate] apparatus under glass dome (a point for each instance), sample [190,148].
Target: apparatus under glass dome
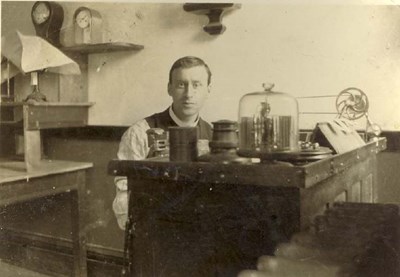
[268,124]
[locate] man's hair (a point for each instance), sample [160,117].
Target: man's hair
[188,62]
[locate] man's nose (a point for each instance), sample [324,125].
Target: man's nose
[189,90]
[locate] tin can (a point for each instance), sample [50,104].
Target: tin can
[183,144]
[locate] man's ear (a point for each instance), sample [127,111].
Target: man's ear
[169,89]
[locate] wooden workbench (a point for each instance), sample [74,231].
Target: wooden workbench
[207,219]
[51,178]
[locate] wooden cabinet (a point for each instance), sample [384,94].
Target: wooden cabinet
[29,176]
[208,219]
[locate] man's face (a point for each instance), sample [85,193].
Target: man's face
[189,89]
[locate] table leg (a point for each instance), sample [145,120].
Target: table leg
[78,213]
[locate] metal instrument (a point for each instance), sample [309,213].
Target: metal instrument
[351,104]
[158,142]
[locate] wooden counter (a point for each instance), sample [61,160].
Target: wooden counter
[207,219]
[53,177]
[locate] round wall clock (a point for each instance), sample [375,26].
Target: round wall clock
[47,18]
[87,26]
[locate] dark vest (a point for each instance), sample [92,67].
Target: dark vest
[163,120]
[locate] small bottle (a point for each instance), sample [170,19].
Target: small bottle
[36,95]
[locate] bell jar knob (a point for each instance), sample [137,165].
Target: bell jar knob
[268,86]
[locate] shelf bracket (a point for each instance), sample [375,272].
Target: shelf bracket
[214,12]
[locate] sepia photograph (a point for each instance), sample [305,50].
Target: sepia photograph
[200,139]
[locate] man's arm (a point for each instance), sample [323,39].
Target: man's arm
[133,146]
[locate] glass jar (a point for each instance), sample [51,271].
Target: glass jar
[268,124]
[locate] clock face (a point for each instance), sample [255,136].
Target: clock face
[40,13]
[83,18]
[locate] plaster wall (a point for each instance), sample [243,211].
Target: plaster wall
[305,49]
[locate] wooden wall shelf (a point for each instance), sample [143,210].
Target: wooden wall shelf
[214,12]
[103,47]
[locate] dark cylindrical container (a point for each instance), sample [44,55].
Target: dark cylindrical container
[183,144]
[225,135]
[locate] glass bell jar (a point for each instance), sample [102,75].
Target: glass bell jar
[268,124]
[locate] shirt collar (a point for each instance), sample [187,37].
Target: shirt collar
[179,122]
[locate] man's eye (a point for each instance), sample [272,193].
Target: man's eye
[197,85]
[181,85]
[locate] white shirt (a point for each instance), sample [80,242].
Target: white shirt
[179,122]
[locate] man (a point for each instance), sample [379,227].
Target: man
[189,86]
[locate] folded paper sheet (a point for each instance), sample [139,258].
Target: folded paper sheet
[31,53]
